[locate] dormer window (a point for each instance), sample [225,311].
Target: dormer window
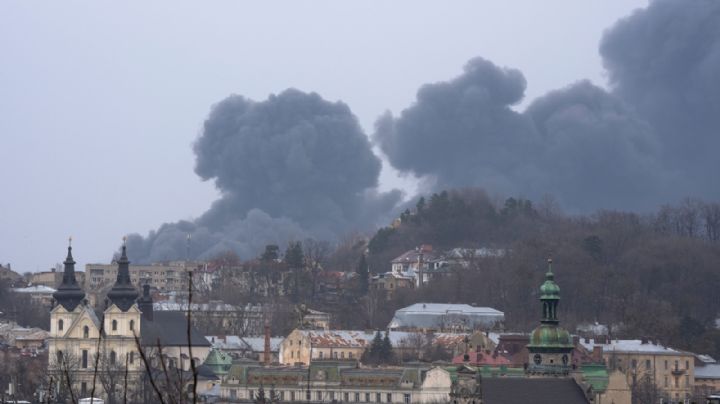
[132,325]
[86,332]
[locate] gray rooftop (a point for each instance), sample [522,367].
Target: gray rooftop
[441,315]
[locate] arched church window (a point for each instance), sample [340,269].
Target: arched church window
[59,356]
[114,325]
[60,325]
[86,332]
[132,325]
[113,357]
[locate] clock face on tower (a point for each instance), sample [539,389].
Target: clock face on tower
[565,359]
[537,359]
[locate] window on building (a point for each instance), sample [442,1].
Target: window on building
[113,357]
[378,398]
[389,397]
[665,364]
[292,354]
[131,359]
[687,364]
[132,325]
[282,396]
[332,396]
[318,395]
[357,397]
[292,396]
[346,397]
[86,332]
[84,361]
[687,380]
[634,363]
[666,381]
[321,354]
[59,356]
[114,325]
[83,388]
[677,382]
[342,355]
[307,395]
[677,364]
[367,397]
[251,394]
[60,325]
[350,355]
[335,355]
[648,365]
[233,393]
[406,398]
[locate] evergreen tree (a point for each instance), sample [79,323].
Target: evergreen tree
[386,352]
[363,276]
[295,260]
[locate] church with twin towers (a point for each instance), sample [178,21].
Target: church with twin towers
[108,349]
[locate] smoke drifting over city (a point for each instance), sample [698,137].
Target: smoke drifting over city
[290,167]
[298,166]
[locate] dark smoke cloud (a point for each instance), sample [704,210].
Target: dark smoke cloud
[463,132]
[289,167]
[665,61]
[594,152]
[653,139]
[580,144]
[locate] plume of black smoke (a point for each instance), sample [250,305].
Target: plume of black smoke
[594,153]
[580,144]
[655,138]
[464,132]
[665,61]
[289,167]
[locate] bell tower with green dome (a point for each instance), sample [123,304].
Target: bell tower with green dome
[550,345]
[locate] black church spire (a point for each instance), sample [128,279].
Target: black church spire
[123,294]
[69,294]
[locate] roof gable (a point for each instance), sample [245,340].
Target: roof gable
[86,313]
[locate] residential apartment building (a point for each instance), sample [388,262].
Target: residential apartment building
[165,277]
[671,370]
[53,278]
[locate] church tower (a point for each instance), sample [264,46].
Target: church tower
[550,345]
[122,318]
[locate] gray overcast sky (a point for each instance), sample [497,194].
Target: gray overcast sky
[101,101]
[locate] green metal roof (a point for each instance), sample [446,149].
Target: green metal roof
[596,375]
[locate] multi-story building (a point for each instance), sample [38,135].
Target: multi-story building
[671,371]
[165,277]
[305,346]
[336,382]
[53,278]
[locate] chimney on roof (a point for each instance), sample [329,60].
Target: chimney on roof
[266,359]
[644,340]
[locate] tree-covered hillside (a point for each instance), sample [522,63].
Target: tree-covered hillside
[651,275]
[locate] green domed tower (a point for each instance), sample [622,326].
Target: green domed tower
[550,345]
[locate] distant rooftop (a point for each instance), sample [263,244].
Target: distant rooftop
[630,346]
[441,316]
[35,289]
